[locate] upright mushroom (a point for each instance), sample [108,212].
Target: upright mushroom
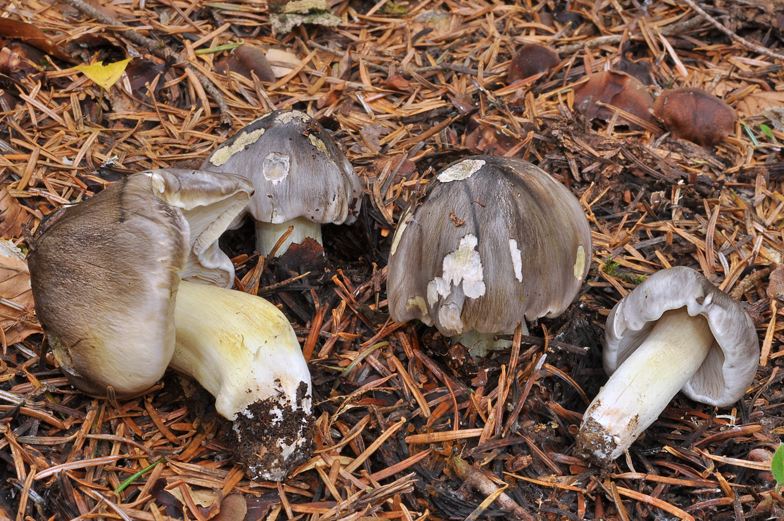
[675,331]
[106,275]
[300,176]
[496,241]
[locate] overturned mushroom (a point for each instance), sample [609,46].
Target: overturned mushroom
[300,176]
[675,331]
[495,242]
[106,282]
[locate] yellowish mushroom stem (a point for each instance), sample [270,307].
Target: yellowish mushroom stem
[243,350]
[640,389]
[267,234]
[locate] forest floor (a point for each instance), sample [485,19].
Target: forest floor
[406,88]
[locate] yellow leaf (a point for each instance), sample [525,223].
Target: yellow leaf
[104,75]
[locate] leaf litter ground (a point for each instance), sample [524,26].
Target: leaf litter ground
[406,87]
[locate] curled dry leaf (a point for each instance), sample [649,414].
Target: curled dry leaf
[530,60]
[207,499]
[247,59]
[617,89]
[775,289]
[397,82]
[695,115]
[232,508]
[282,62]
[32,35]
[16,317]
[371,136]
[12,215]
[753,104]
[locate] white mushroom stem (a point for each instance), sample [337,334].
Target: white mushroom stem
[243,350]
[267,234]
[640,389]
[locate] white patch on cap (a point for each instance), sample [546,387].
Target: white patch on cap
[401,227]
[579,263]
[275,167]
[316,142]
[417,302]
[464,264]
[449,317]
[517,259]
[285,117]
[460,171]
[223,154]
[436,287]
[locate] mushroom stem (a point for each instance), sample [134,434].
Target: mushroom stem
[640,389]
[267,234]
[243,350]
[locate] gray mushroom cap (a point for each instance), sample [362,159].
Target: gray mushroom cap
[495,240]
[296,169]
[105,273]
[731,364]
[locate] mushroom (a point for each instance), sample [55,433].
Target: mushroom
[105,276]
[617,89]
[695,115]
[496,241]
[675,331]
[531,59]
[243,350]
[300,176]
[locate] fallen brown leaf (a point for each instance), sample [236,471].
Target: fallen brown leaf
[397,82]
[754,103]
[282,62]
[247,59]
[233,508]
[12,216]
[531,60]
[16,307]
[32,35]
[775,289]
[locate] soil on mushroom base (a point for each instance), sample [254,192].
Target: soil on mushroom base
[267,428]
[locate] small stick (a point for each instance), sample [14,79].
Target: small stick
[476,479]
